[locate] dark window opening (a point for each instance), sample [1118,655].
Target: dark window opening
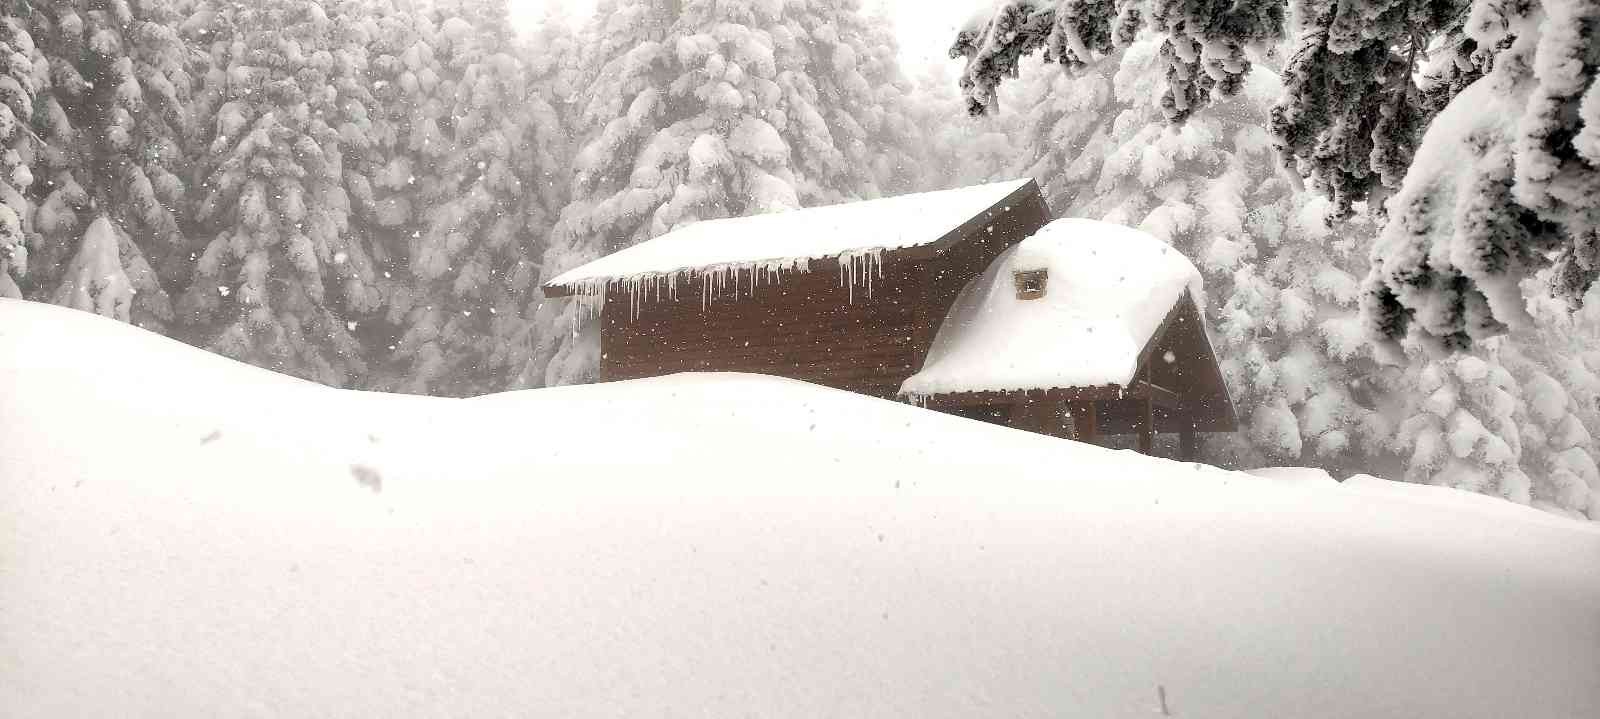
[1030,284]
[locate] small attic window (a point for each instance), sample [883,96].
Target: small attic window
[1030,283]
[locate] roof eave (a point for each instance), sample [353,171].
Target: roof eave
[965,229]
[915,252]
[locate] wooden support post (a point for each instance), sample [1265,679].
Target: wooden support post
[1022,415]
[1188,445]
[1085,425]
[1147,426]
[1045,416]
[1037,412]
[1056,418]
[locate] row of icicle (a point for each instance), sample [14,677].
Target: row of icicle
[717,282]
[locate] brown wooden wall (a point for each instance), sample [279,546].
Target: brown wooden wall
[1193,372]
[807,326]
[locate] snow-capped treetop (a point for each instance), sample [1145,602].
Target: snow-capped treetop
[787,240]
[1107,291]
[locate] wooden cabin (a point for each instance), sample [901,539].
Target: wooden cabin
[856,296]
[1081,330]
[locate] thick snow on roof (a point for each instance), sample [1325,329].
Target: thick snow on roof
[1108,290]
[786,240]
[188,536]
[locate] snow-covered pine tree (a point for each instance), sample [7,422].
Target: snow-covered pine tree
[1289,331]
[708,109]
[24,75]
[110,115]
[1352,111]
[553,56]
[283,274]
[959,149]
[1462,431]
[465,199]
[1514,417]
[1556,365]
[1504,189]
[1557,418]
[94,280]
[857,65]
[1203,45]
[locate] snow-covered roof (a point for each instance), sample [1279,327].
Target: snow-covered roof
[1108,290]
[786,241]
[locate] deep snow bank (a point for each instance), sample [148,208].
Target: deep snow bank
[183,535]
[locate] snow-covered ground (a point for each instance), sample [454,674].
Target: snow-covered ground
[181,535]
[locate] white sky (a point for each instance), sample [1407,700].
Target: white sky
[925,27]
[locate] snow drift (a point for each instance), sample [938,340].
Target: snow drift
[184,535]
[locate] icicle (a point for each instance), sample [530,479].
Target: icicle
[848,277]
[874,263]
[591,299]
[861,266]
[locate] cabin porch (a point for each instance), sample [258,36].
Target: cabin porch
[1085,414]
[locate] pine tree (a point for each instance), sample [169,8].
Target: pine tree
[467,197]
[283,274]
[1505,187]
[109,115]
[856,69]
[1464,433]
[961,150]
[1203,45]
[94,281]
[706,109]
[1352,113]
[252,190]
[1514,417]
[24,75]
[1557,416]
